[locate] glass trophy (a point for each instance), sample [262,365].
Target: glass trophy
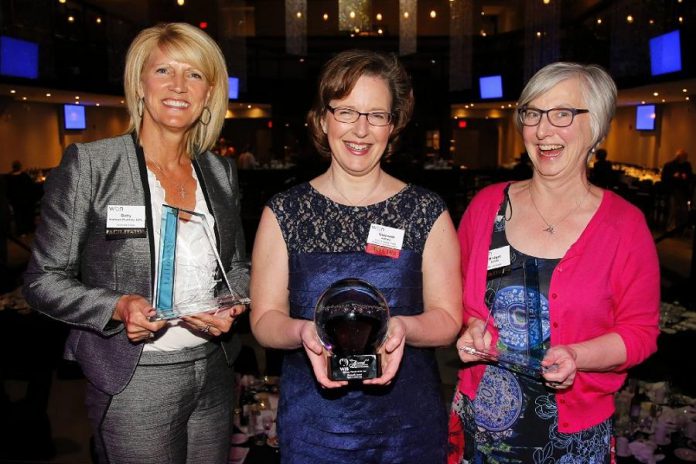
[352,318]
[519,362]
[184,289]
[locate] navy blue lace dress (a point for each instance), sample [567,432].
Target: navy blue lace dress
[404,422]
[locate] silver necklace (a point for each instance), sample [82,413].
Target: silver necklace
[179,186]
[357,203]
[551,228]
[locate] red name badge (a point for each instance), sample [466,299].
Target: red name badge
[382,251]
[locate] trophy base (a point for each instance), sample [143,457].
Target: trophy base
[203,306]
[355,367]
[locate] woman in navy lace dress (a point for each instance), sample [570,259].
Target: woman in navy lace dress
[317,233]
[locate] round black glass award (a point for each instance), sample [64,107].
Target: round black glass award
[352,317]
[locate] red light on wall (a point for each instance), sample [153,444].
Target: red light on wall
[462,124]
[203,25]
[270,124]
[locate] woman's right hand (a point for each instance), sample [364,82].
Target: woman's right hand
[475,336]
[317,356]
[135,312]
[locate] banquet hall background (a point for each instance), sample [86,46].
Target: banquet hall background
[61,63]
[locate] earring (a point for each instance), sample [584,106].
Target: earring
[140,107]
[210,116]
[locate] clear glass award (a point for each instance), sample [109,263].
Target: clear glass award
[520,362]
[352,318]
[183,288]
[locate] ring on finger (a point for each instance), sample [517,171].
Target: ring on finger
[206,329]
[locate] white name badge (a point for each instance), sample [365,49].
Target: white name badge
[499,257]
[384,241]
[125,221]
[125,217]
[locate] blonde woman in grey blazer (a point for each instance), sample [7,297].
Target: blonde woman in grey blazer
[157,392]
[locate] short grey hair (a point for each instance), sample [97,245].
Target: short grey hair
[598,92]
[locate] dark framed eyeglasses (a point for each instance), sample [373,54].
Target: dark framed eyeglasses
[349,116]
[559,117]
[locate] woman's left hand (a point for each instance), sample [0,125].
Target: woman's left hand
[559,367]
[214,324]
[391,352]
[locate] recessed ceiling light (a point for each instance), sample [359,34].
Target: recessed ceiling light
[24,98]
[13,91]
[48,94]
[326,17]
[379,16]
[656,94]
[433,14]
[629,19]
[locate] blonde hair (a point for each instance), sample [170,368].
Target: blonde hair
[598,91]
[188,44]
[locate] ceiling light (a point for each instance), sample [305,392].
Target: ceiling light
[406,14]
[99,20]
[13,91]
[24,98]
[298,14]
[379,16]
[62,1]
[48,94]
[655,94]
[681,19]
[77,97]
[98,104]
[71,19]
[326,17]
[546,2]
[433,14]
[684,90]
[352,15]
[180,2]
[248,106]
[380,31]
[629,19]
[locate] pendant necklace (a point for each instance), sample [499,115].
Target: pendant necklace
[357,203]
[179,187]
[551,228]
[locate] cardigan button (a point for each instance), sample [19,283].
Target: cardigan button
[554,296]
[565,424]
[562,401]
[555,325]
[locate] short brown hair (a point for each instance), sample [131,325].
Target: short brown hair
[338,77]
[191,45]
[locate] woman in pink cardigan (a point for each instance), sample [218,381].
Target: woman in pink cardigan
[561,285]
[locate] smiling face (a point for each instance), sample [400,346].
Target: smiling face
[174,93]
[358,147]
[560,152]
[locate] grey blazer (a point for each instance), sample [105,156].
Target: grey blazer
[76,276]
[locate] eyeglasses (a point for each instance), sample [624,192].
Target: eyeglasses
[349,116]
[559,117]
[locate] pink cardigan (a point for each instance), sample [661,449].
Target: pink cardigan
[608,281]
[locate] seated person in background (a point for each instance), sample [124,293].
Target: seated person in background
[676,180]
[246,159]
[602,174]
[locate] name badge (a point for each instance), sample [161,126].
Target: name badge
[384,241]
[125,221]
[499,257]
